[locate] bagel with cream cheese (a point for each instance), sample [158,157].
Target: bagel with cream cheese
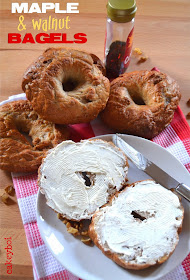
[141,103]
[67,86]
[78,178]
[139,227]
[17,152]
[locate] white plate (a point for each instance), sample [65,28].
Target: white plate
[89,263]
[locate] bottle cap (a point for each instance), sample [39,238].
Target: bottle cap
[121,10]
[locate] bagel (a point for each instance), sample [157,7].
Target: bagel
[139,227]
[141,103]
[17,154]
[77,178]
[66,86]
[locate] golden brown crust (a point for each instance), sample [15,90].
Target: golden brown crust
[157,91]
[16,152]
[114,256]
[66,86]
[98,63]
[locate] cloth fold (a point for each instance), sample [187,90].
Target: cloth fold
[175,138]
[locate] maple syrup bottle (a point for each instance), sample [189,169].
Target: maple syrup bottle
[119,36]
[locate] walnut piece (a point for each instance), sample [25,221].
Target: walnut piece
[77,229]
[65,221]
[59,216]
[84,233]
[5,198]
[68,224]
[139,55]
[142,59]
[10,190]
[87,241]
[137,51]
[72,230]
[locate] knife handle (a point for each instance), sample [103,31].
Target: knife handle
[184,190]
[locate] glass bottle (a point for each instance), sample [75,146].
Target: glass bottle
[119,36]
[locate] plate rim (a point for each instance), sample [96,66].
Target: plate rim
[79,274]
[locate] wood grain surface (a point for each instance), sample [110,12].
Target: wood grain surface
[162,31]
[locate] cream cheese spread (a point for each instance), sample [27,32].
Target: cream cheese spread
[77,178]
[141,225]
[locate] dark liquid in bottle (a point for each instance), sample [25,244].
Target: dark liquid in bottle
[115,60]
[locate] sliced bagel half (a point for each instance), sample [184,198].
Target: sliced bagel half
[78,178]
[139,227]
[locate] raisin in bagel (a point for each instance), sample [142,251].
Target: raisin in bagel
[66,86]
[139,227]
[16,152]
[77,178]
[141,103]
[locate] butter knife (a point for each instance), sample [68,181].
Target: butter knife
[155,172]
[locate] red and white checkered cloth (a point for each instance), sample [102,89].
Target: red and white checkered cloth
[175,138]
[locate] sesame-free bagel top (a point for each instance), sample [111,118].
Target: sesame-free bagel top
[141,103]
[66,86]
[17,154]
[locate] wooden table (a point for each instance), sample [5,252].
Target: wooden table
[162,31]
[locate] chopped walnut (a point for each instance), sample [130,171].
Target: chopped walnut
[142,59]
[10,190]
[188,102]
[137,51]
[140,55]
[59,216]
[80,225]
[72,230]
[65,221]
[188,116]
[5,198]
[77,229]
[76,225]
[87,241]
[68,224]
[84,233]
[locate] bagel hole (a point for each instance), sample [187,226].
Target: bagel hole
[143,215]
[137,216]
[138,100]
[70,84]
[88,177]
[22,129]
[27,137]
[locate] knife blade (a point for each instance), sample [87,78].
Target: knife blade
[155,172]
